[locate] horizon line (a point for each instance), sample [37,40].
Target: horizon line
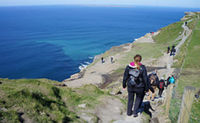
[101,5]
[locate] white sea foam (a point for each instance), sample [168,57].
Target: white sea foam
[90,57]
[87,63]
[83,65]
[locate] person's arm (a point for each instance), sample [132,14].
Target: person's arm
[126,76]
[150,87]
[157,80]
[165,85]
[157,84]
[145,79]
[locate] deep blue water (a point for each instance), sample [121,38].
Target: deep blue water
[53,41]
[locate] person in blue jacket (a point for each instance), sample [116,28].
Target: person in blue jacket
[172,80]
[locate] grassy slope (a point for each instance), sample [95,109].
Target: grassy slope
[189,56]
[168,34]
[41,101]
[192,67]
[166,37]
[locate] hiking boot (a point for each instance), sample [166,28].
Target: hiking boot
[135,115]
[129,114]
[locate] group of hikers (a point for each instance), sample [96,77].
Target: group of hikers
[172,51]
[160,84]
[138,83]
[111,60]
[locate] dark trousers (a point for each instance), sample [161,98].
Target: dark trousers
[160,92]
[139,98]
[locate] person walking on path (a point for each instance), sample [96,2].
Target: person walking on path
[173,50]
[168,50]
[161,86]
[135,79]
[172,79]
[185,23]
[154,81]
[102,60]
[111,59]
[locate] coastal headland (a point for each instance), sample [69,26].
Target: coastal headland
[95,95]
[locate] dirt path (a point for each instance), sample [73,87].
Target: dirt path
[169,62]
[94,74]
[186,33]
[165,61]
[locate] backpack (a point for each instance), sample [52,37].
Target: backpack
[161,84]
[135,76]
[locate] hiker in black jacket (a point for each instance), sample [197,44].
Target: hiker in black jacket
[173,51]
[168,50]
[135,78]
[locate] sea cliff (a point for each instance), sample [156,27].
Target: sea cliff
[95,94]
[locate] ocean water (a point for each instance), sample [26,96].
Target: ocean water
[54,41]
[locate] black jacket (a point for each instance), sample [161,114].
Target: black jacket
[144,84]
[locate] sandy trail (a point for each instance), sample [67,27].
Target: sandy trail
[93,74]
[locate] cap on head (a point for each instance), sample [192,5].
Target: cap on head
[153,72]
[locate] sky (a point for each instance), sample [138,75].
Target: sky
[170,3]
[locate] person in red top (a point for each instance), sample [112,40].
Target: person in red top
[161,86]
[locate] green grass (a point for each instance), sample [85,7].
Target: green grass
[191,68]
[192,24]
[174,109]
[40,101]
[147,50]
[179,58]
[194,116]
[169,33]
[165,38]
[193,58]
[189,57]
[37,99]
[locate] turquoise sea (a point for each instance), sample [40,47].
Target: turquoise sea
[54,41]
